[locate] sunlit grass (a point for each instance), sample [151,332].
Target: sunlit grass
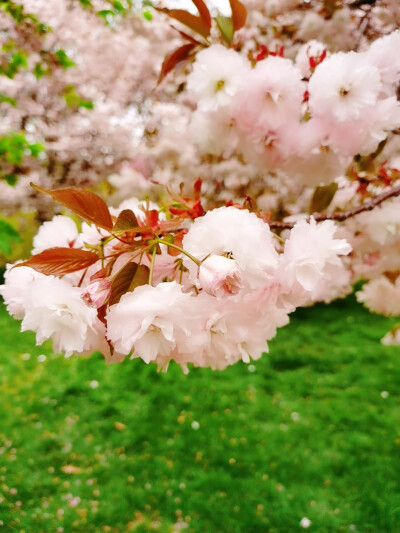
[311,430]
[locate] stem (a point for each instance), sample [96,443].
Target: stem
[153,258]
[170,244]
[344,215]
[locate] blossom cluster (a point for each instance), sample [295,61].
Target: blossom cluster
[307,117]
[201,288]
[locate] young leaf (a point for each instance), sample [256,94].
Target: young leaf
[193,22]
[225,26]
[59,261]
[204,13]
[141,277]
[126,220]
[322,197]
[175,57]
[128,278]
[239,14]
[84,203]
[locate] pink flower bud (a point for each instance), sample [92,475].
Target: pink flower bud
[97,292]
[220,276]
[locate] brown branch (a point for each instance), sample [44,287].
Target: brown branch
[344,215]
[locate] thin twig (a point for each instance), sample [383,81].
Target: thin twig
[344,215]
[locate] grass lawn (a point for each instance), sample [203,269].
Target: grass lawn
[311,430]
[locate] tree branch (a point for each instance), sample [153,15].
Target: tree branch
[344,215]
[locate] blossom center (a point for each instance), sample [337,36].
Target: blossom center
[219,85]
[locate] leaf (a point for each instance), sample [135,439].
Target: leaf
[63,59]
[186,36]
[239,14]
[59,261]
[175,57]
[84,203]
[72,99]
[8,234]
[203,12]
[10,179]
[8,100]
[225,25]
[126,220]
[128,278]
[193,22]
[322,197]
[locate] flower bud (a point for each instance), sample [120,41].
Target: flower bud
[97,292]
[220,276]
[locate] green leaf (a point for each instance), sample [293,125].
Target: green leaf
[39,71]
[14,147]
[8,234]
[13,63]
[63,59]
[72,99]
[118,6]
[42,28]
[225,26]
[11,179]
[106,14]
[35,149]
[8,100]
[147,15]
[322,198]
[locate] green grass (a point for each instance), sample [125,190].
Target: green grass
[304,432]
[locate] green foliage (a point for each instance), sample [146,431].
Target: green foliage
[8,235]
[40,70]
[14,147]
[63,60]
[312,429]
[8,100]
[16,11]
[73,100]
[113,8]
[13,60]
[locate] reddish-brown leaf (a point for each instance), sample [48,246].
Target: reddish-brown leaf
[239,14]
[195,23]
[128,278]
[175,57]
[59,261]
[203,12]
[126,220]
[84,203]
[187,36]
